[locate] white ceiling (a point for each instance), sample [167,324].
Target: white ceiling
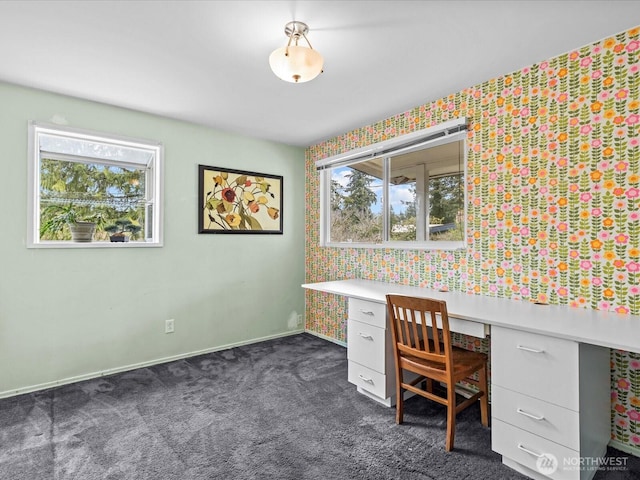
[207,61]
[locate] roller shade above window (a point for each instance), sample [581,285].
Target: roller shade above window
[403,144]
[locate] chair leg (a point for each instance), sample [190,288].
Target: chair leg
[451,416]
[484,400]
[399,398]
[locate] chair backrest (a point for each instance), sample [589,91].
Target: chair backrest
[413,320]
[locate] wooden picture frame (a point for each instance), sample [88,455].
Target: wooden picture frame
[238,202]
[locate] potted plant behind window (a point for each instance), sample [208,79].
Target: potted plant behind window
[119,229]
[82,227]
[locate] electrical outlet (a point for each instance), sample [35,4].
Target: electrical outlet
[169,326]
[300,320]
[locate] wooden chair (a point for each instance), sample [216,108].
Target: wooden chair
[422,345]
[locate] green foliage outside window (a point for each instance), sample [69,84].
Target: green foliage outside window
[96,192]
[353,218]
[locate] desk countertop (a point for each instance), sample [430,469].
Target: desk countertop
[595,327]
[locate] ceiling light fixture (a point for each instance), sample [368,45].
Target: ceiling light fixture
[296,63]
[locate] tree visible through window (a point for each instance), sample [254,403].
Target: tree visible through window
[106,194]
[353,213]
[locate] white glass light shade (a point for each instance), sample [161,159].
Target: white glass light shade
[300,65]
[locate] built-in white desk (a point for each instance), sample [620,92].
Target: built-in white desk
[550,377]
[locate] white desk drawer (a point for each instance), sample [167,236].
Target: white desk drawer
[377,383]
[558,424]
[524,448]
[368,345]
[467,327]
[368,312]
[536,365]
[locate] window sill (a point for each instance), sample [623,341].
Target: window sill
[94,245]
[400,245]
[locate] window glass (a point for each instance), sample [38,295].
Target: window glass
[446,203]
[412,198]
[356,204]
[94,149]
[403,201]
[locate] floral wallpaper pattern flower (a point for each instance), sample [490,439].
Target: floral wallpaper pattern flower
[553,200]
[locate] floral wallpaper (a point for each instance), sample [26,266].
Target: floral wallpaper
[553,201]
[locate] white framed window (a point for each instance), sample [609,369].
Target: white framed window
[408,192]
[90,189]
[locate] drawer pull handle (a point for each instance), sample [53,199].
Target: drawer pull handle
[530,415]
[367,312]
[366,336]
[530,452]
[365,379]
[529,349]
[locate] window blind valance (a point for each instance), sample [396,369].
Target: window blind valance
[395,146]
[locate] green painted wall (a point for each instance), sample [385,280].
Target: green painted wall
[67,313]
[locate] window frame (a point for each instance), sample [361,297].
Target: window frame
[153,185]
[429,137]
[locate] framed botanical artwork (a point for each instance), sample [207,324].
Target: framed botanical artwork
[235,201]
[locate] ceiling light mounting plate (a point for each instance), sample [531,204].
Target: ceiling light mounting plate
[296,29]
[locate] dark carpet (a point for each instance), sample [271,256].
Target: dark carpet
[280,409]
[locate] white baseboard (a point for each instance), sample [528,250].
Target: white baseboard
[324,337]
[111,371]
[623,447]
